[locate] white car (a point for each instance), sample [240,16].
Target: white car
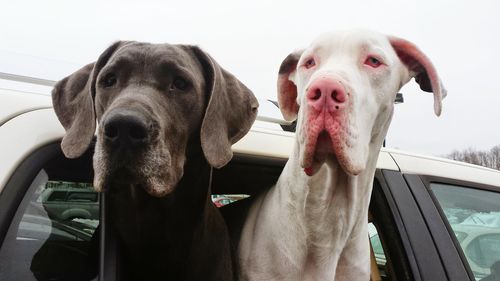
[417,201]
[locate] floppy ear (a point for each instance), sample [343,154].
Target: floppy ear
[421,68]
[73,100]
[287,90]
[229,114]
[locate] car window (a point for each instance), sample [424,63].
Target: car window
[225,199]
[378,252]
[474,216]
[52,237]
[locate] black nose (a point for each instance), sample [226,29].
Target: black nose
[125,130]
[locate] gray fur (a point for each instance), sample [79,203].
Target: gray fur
[217,106]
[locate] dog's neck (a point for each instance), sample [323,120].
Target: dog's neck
[193,192]
[147,225]
[332,209]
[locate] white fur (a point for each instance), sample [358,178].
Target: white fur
[315,228]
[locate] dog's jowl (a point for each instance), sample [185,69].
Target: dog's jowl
[165,114]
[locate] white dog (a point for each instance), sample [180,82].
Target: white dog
[313,224]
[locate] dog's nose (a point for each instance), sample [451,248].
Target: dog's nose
[326,92]
[125,130]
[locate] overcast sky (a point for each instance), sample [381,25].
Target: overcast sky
[51,39]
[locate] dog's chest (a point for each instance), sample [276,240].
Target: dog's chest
[147,231]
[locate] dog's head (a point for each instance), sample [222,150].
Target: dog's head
[342,90]
[154,105]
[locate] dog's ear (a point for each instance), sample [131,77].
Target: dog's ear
[230,112]
[287,90]
[421,68]
[73,100]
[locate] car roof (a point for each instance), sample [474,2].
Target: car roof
[412,163]
[16,102]
[267,140]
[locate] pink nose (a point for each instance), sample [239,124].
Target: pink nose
[326,92]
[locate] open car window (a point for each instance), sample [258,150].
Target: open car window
[54,232]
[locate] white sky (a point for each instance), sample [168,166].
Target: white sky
[51,39]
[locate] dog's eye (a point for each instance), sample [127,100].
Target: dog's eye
[109,80]
[373,62]
[179,84]
[310,63]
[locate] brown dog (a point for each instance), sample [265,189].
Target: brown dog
[166,113]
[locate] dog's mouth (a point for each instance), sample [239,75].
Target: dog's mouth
[317,152]
[332,143]
[151,170]
[123,175]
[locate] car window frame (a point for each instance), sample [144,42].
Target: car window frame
[387,219]
[424,257]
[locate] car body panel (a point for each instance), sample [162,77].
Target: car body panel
[17,102]
[410,163]
[24,134]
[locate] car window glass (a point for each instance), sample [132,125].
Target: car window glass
[484,249]
[220,200]
[378,251]
[51,237]
[376,244]
[474,216]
